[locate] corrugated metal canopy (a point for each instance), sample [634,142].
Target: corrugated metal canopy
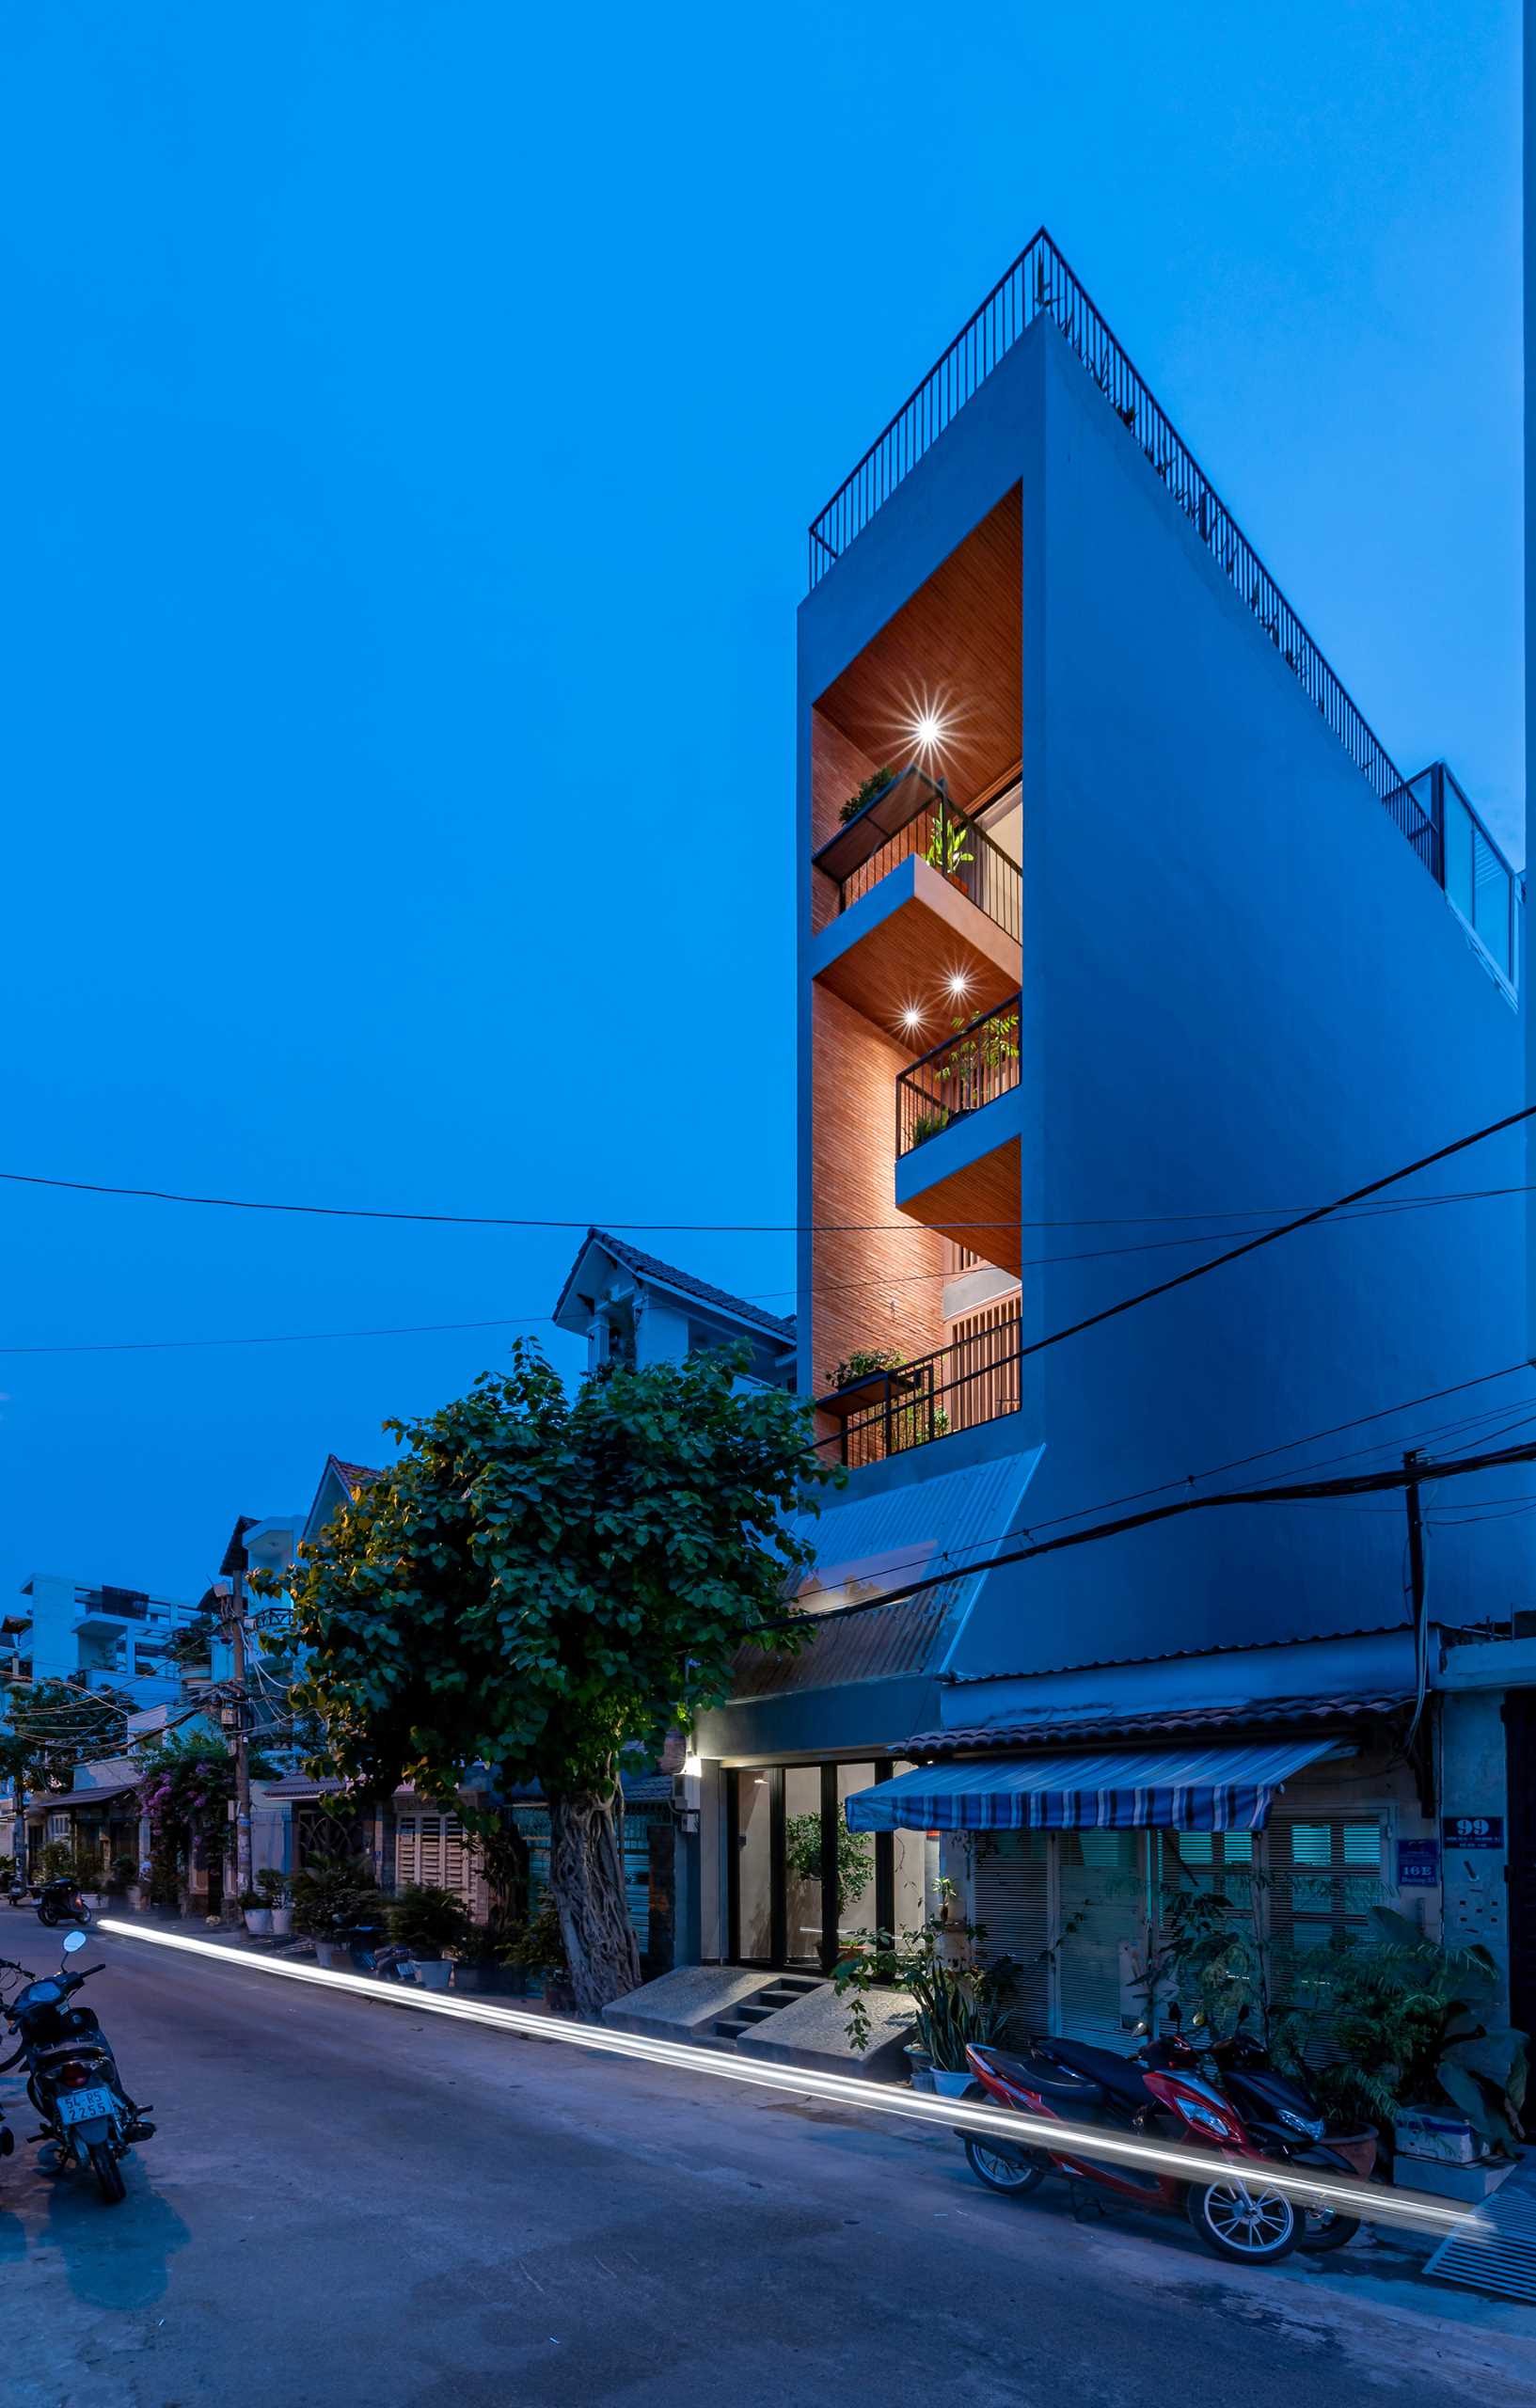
[1205,1789]
[934,1529]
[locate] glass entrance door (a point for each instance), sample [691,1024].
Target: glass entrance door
[800,1883]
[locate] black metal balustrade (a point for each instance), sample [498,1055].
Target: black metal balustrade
[1040,284]
[974,1066]
[913,817]
[974,1379]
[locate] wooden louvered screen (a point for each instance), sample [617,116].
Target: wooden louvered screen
[1012,1894]
[432,1849]
[981,1371]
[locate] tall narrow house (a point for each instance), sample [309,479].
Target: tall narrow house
[1121,938]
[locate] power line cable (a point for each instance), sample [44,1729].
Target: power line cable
[761,1295]
[1354,1484]
[1239,1463]
[747,1228]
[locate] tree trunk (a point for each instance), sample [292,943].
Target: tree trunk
[586,1879]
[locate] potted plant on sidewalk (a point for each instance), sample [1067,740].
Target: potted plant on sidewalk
[332,1896]
[956,1997]
[433,1923]
[258,1914]
[274,1889]
[534,1951]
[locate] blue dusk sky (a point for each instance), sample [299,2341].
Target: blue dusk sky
[411,420]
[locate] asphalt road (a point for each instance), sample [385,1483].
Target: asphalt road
[348,2202]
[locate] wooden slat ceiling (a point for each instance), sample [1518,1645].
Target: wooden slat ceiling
[910,956]
[978,1205]
[957,647]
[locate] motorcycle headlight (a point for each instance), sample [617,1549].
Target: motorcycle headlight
[1311,2125]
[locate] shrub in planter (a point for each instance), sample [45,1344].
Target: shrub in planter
[56,1861]
[1406,2024]
[122,1873]
[257,1912]
[431,1923]
[535,1949]
[955,1998]
[332,1896]
[274,1889]
[871,787]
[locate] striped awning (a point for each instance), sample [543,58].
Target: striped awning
[1203,1789]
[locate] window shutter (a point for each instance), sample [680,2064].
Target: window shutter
[406,1852]
[1012,1895]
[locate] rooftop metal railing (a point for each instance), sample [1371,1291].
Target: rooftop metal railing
[1040,284]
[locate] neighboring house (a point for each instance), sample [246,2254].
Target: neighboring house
[1145,943]
[632,1308]
[95,1638]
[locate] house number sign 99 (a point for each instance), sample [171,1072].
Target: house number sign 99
[1473,1830]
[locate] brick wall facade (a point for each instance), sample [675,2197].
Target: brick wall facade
[879,1285]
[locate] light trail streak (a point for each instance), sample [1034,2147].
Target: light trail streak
[1377,2203]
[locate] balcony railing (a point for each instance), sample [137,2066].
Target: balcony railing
[913,818]
[1040,284]
[972,1380]
[1469,865]
[971,1068]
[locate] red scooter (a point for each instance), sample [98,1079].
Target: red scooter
[1067,2081]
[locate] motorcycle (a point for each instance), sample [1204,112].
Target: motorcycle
[1069,2082]
[61,1901]
[71,2075]
[1283,2119]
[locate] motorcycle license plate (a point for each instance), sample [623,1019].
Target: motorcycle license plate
[83,2106]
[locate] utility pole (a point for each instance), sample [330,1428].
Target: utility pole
[236,1718]
[238,1737]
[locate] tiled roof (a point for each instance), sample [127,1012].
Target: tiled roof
[356,1475]
[1178,1654]
[1010,1738]
[650,1266]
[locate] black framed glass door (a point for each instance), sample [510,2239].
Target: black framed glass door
[799,1883]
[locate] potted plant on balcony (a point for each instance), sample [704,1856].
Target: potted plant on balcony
[949,847]
[871,787]
[258,1914]
[274,1888]
[434,1925]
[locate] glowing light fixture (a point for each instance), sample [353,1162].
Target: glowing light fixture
[692,1767]
[912,1019]
[958,985]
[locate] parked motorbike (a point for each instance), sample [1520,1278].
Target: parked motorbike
[1282,2116]
[71,2075]
[61,1901]
[20,1891]
[1069,2082]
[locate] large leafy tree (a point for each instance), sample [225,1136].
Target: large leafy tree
[544,1580]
